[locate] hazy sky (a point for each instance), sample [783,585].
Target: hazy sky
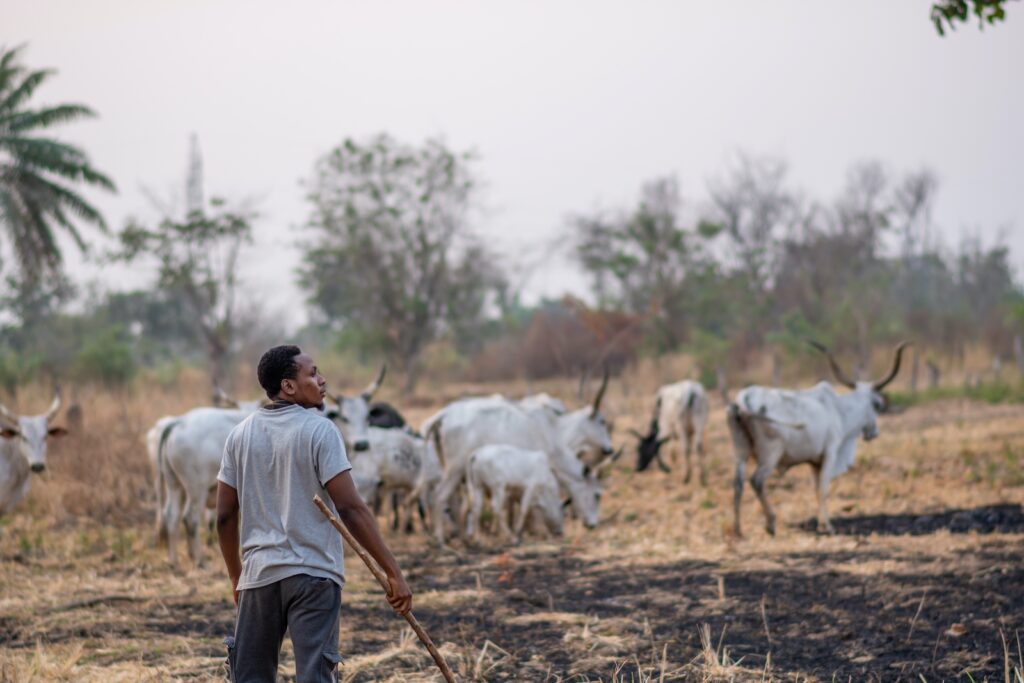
[570,105]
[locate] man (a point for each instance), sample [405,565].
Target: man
[291,572]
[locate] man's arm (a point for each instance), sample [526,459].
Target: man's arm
[360,521]
[227,532]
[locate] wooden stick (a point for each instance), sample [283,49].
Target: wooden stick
[383,581]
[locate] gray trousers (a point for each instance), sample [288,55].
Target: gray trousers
[309,608]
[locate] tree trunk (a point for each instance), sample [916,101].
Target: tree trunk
[914,369]
[723,384]
[933,374]
[776,369]
[1018,353]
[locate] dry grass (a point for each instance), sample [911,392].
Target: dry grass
[661,592]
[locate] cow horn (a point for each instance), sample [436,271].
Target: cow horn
[881,384]
[55,406]
[837,372]
[221,397]
[8,415]
[372,388]
[600,393]
[582,385]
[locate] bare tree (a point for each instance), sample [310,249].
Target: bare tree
[394,260]
[198,258]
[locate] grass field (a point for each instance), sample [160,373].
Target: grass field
[924,579]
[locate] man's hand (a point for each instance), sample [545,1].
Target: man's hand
[399,595]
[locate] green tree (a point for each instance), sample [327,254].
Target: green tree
[393,254]
[198,256]
[37,173]
[946,13]
[638,261]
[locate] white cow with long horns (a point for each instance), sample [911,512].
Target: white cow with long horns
[23,451]
[817,426]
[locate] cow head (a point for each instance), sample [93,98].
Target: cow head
[585,431]
[31,433]
[551,507]
[648,447]
[224,400]
[352,414]
[585,495]
[874,402]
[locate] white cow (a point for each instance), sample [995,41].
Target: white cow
[161,487]
[508,473]
[818,426]
[23,451]
[404,464]
[681,412]
[463,427]
[544,400]
[352,414]
[189,453]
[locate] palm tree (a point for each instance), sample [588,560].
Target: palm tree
[36,172]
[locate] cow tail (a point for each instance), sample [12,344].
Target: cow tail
[434,433]
[161,488]
[691,400]
[736,416]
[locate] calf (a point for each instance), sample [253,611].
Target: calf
[507,473]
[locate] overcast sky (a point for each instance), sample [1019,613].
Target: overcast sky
[570,105]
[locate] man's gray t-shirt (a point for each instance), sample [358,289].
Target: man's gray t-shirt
[277,459]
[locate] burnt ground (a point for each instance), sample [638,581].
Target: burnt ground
[932,615]
[823,621]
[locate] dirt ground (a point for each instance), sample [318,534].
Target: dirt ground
[924,579]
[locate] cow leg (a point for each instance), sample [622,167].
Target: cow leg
[688,437]
[824,524]
[525,503]
[442,500]
[698,438]
[499,505]
[395,522]
[476,504]
[172,521]
[742,450]
[768,458]
[194,506]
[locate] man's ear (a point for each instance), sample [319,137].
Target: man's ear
[288,386]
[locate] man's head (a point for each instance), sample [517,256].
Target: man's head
[287,374]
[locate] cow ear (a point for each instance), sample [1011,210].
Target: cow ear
[57,431]
[9,433]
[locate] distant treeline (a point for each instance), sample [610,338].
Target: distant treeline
[398,270]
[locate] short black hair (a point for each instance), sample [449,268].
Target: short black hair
[275,365]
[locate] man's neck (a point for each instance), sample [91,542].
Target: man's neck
[279,402]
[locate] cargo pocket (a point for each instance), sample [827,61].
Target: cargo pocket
[330,660]
[229,662]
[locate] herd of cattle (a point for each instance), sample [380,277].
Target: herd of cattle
[533,459]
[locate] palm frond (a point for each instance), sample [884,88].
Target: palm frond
[24,90]
[8,69]
[33,204]
[21,121]
[55,157]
